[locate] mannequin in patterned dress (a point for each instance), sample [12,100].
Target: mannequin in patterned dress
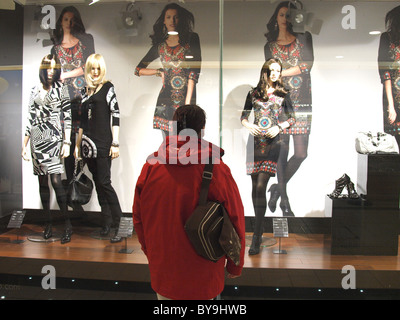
[295,51]
[179,50]
[49,140]
[389,71]
[273,113]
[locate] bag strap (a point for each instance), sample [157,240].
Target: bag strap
[205,183]
[78,162]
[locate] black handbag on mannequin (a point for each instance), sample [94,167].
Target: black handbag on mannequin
[81,187]
[210,229]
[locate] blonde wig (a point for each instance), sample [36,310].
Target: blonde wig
[95,59]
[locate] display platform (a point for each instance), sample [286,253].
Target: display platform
[308,262]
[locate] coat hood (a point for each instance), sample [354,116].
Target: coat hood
[186,150]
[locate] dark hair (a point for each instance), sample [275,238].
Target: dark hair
[185,25]
[44,66]
[273,29]
[77,28]
[260,89]
[392,22]
[190,116]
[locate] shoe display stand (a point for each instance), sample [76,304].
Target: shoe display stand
[38,237]
[96,234]
[368,225]
[265,242]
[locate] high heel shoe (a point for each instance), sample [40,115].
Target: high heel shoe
[339,186]
[116,238]
[105,230]
[351,191]
[273,199]
[48,231]
[285,207]
[66,237]
[255,245]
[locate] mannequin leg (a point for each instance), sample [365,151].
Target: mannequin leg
[108,199]
[259,197]
[287,169]
[62,203]
[44,192]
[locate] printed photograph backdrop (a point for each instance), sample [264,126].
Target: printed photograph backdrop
[346,89]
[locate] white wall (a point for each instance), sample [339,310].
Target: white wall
[346,92]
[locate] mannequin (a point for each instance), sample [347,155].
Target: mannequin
[101,141]
[273,113]
[50,142]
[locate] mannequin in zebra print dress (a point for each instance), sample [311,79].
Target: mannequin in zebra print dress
[49,140]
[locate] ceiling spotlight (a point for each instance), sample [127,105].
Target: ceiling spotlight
[131,16]
[296,16]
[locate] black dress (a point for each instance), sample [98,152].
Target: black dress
[262,152]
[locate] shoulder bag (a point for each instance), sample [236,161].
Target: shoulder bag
[210,229]
[80,188]
[379,142]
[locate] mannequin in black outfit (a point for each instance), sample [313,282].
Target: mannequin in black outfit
[99,105]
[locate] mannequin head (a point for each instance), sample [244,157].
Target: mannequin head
[95,70]
[49,71]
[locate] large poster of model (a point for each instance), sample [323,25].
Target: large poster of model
[330,69]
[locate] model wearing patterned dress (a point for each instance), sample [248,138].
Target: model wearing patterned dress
[49,140]
[273,113]
[72,46]
[180,57]
[295,50]
[389,71]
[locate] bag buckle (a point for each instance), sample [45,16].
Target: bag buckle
[207,175]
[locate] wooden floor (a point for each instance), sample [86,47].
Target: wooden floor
[307,263]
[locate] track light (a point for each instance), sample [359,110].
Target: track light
[300,18]
[296,16]
[131,17]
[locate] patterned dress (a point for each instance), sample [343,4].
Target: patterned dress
[298,53]
[70,59]
[44,127]
[262,152]
[180,64]
[389,69]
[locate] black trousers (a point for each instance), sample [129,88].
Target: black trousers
[108,199]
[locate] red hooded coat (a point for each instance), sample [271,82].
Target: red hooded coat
[167,192]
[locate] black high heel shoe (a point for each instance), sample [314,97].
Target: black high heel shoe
[255,245]
[285,207]
[351,191]
[273,199]
[105,230]
[48,231]
[339,186]
[66,237]
[116,238]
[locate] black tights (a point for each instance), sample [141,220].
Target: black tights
[61,195]
[287,168]
[259,197]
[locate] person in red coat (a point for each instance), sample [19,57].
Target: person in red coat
[166,193]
